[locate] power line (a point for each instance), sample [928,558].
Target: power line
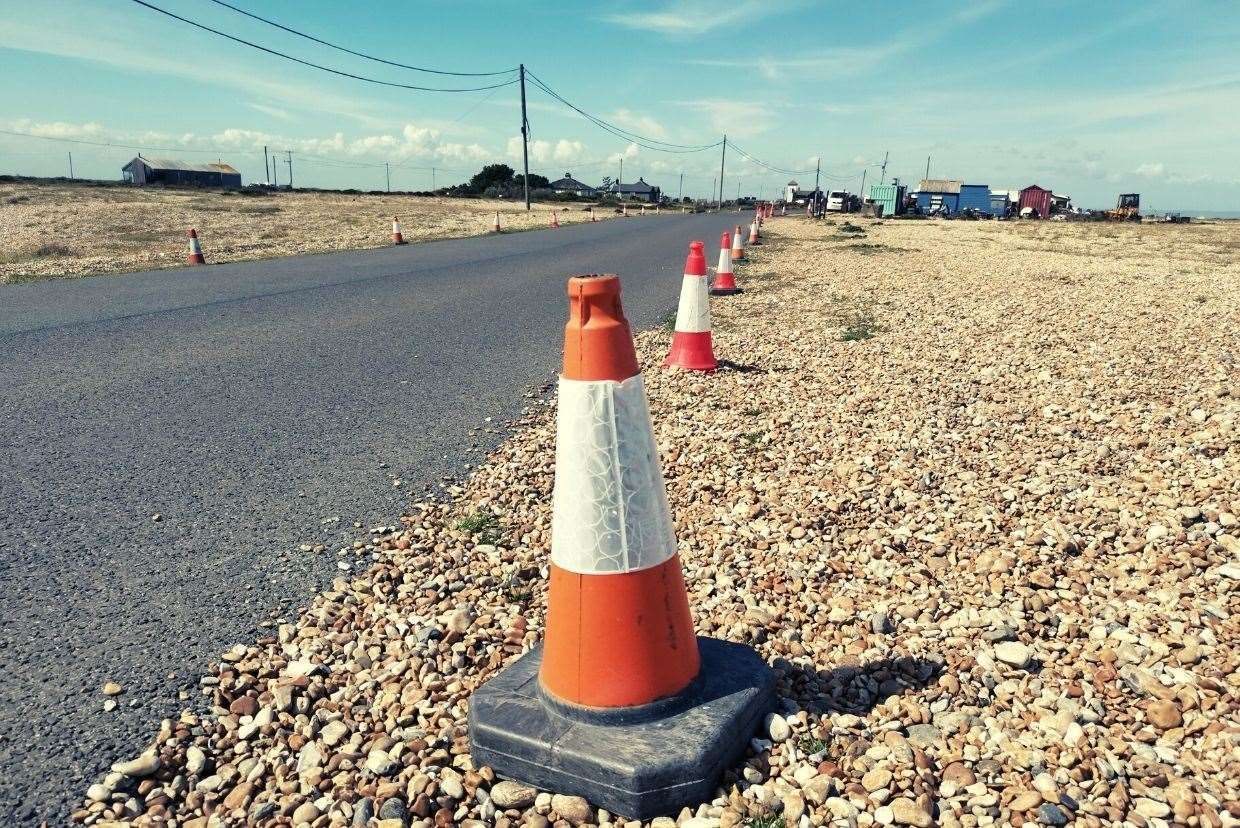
[339,72]
[212,150]
[358,54]
[643,141]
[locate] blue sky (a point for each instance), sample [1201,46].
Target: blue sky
[1090,99]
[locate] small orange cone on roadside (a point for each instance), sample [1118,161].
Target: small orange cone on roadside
[397,236]
[738,246]
[754,236]
[725,280]
[643,209]
[593,218]
[497,221]
[692,348]
[624,211]
[195,249]
[555,219]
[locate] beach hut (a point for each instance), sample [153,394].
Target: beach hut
[1037,199]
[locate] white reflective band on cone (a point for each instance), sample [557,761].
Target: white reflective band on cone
[725,261]
[609,509]
[693,313]
[193,246]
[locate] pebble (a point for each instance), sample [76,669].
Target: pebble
[143,766]
[1013,653]
[777,728]
[575,809]
[1049,814]
[508,794]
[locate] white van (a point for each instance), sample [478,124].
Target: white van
[837,201]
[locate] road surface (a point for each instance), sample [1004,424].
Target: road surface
[254,407]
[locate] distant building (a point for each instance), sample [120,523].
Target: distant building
[793,194]
[1035,199]
[170,171]
[638,191]
[890,196]
[975,197]
[939,195]
[1000,202]
[1060,203]
[572,186]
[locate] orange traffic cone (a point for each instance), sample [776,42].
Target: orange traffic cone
[195,249]
[738,246]
[692,348]
[593,218]
[397,236]
[622,704]
[725,280]
[624,211]
[619,632]
[497,221]
[555,219]
[755,237]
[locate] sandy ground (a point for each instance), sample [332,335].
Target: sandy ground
[58,230]
[971,489]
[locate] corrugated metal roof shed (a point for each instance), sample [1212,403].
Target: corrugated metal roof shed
[939,185]
[186,166]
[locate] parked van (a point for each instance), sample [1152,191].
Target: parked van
[837,201]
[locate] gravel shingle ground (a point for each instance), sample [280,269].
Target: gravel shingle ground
[60,230]
[971,488]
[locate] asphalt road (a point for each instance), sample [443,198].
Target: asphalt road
[255,407]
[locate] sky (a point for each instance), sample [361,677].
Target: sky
[1088,99]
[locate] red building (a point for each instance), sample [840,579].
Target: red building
[1037,199]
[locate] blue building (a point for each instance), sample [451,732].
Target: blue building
[939,195]
[975,197]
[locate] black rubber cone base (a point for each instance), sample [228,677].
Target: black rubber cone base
[637,769]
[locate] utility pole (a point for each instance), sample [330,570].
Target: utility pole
[681,197]
[882,176]
[525,140]
[817,172]
[927,167]
[275,172]
[619,179]
[70,166]
[863,172]
[713,181]
[432,179]
[722,159]
[266,167]
[387,170]
[290,168]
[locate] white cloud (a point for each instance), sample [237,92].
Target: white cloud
[59,129]
[1149,170]
[631,151]
[687,18]
[641,124]
[273,111]
[739,119]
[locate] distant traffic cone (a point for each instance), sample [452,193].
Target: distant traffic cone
[195,249]
[397,236]
[691,344]
[555,219]
[738,246]
[497,221]
[725,280]
[593,218]
[755,237]
[624,210]
[783,209]
[643,209]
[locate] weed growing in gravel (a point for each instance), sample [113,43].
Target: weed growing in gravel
[43,251]
[483,526]
[849,227]
[857,318]
[753,437]
[669,321]
[770,819]
[810,744]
